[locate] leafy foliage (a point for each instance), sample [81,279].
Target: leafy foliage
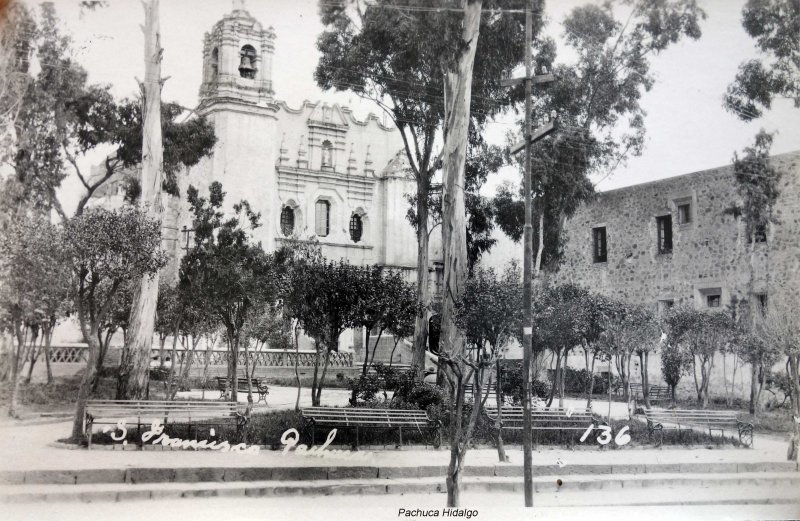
[774,24]
[597,100]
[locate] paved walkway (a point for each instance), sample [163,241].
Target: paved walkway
[31,447]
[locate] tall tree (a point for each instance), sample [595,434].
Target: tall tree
[35,282]
[224,272]
[18,32]
[398,57]
[134,374]
[489,313]
[597,98]
[107,249]
[774,24]
[701,334]
[782,329]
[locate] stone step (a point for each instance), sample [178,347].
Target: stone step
[137,475]
[777,481]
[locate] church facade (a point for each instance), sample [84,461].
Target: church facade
[313,172]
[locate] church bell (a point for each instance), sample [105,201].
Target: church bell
[246,65]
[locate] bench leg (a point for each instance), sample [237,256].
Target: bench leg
[355,447]
[400,430]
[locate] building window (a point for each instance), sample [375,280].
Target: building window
[287,221]
[322,225]
[356,227]
[327,154]
[664,225]
[599,244]
[247,65]
[761,303]
[713,300]
[684,213]
[760,233]
[665,305]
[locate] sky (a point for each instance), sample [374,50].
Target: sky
[687,128]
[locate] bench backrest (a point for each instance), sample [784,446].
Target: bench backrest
[554,416]
[160,410]
[700,416]
[352,416]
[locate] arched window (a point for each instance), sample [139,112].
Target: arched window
[327,154]
[247,65]
[356,227]
[287,221]
[214,63]
[322,226]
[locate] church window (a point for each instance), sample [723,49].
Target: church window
[664,225]
[760,233]
[599,244]
[287,221]
[684,213]
[327,154]
[356,227]
[247,65]
[322,225]
[214,63]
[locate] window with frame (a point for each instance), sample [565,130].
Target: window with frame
[684,213]
[761,303]
[322,225]
[713,300]
[664,226]
[599,244]
[287,221]
[760,233]
[356,227]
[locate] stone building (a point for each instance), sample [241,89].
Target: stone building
[672,241]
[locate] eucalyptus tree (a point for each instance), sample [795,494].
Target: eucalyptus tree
[597,99]
[400,59]
[774,24]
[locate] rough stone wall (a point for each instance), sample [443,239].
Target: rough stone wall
[710,252]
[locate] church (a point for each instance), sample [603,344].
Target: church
[316,171]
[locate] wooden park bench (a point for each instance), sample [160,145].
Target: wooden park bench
[145,412]
[258,385]
[554,419]
[659,420]
[655,393]
[491,400]
[358,418]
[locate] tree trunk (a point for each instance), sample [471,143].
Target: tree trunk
[296,364]
[145,299]
[793,453]
[752,409]
[501,450]
[47,344]
[89,331]
[34,352]
[561,380]
[643,355]
[16,368]
[556,375]
[457,96]
[233,364]
[318,394]
[423,289]
[591,382]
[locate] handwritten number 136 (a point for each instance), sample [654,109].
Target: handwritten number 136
[622,437]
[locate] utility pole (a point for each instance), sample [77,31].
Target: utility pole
[529,138]
[133,382]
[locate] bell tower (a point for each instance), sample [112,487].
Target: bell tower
[237,61]
[236,96]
